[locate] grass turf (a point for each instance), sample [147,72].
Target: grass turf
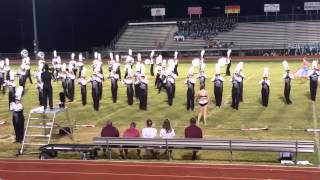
[284,121]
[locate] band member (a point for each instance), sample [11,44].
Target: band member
[73,65]
[114,84]
[70,84]
[128,82]
[265,89]
[62,75]
[169,84]
[22,76]
[151,63]
[202,76]
[228,62]
[46,78]
[12,87]
[218,86]
[39,85]
[158,69]
[7,68]
[41,60]
[242,78]
[16,108]
[54,63]
[95,81]
[236,81]
[204,100]
[313,76]
[80,64]
[83,85]
[117,64]
[2,76]
[176,61]
[110,62]
[26,62]
[287,76]
[190,82]
[143,92]
[162,76]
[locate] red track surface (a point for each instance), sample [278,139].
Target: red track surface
[92,170]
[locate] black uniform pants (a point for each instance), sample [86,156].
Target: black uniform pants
[157,80]
[114,90]
[151,70]
[70,86]
[143,99]
[265,96]
[18,125]
[47,94]
[287,89]
[218,95]
[241,91]
[84,94]
[235,97]
[228,69]
[169,89]
[130,94]
[100,89]
[28,76]
[95,97]
[1,82]
[190,99]
[313,89]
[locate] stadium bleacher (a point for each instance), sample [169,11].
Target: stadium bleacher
[273,35]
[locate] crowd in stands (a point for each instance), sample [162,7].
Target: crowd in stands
[166,132]
[203,28]
[218,44]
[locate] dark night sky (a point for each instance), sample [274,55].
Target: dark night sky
[90,23]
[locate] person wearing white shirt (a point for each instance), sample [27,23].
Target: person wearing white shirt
[167,132]
[150,132]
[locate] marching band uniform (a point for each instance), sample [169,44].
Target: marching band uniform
[313,76]
[143,92]
[22,76]
[95,80]
[190,82]
[287,82]
[176,61]
[159,69]
[117,64]
[83,84]
[2,76]
[169,84]
[114,84]
[7,68]
[26,63]
[80,65]
[228,63]
[111,62]
[39,86]
[128,82]
[151,63]
[16,108]
[63,76]
[12,87]
[218,86]
[70,84]
[54,63]
[202,76]
[73,65]
[236,81]
[265,90]
[46,78]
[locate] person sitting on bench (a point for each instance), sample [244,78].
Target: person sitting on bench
[150,132]
[131,132]
[193,131]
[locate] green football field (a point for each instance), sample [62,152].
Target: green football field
[284,121]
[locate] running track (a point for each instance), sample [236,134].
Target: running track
[95,170]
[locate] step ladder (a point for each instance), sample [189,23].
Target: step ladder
[40,125]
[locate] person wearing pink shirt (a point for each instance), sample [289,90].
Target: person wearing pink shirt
[131,132]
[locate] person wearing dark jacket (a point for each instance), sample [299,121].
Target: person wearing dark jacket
[46,78]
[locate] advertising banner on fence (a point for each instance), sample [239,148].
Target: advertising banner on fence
[311,6]
[233,9]
[271,7]
[195,10]
[158,11]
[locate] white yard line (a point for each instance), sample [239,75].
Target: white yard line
[315,125]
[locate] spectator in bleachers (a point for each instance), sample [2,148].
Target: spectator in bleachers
[193,131]
[131,132]
[109,130]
